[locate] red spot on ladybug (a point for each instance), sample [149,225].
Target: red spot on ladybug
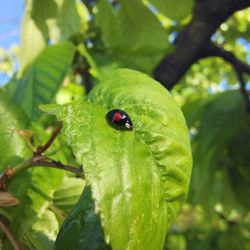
[119,119]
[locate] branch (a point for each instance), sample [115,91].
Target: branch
[38,160]
[9,235]
[240,67]
[208,15]
[43,148]
[57,164]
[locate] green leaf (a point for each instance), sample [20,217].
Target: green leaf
[238,166]
[132,35]
[139,178]
[33,223]
[41,82]
[68,194]
[12,119]
[82,229]
[67,20]
[221,119]
[176,10]
[34,33]
[47,20]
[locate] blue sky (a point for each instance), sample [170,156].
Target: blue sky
[11,13]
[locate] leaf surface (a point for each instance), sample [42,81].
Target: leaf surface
[12,119]
[176,10]
[132,35]
[42,80]
[44,21]
[139,178]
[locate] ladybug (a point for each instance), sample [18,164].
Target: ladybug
[119,119]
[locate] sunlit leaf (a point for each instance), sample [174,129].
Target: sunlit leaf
[139,178]
[44,21]
[12,119]
[42,80]
[176,10]
[132,35]
[33,223]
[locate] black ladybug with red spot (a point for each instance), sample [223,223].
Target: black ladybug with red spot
[119,119]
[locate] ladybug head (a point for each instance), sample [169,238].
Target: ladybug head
[129,125]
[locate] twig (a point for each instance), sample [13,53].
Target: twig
[9,235]
[58,164]
[38,160]
[239,67]
[207,17]
[43,148]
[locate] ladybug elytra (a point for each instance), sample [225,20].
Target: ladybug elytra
[119,119]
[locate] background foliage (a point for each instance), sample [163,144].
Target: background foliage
[66,49]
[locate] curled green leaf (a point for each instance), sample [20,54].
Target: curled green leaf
[139,178]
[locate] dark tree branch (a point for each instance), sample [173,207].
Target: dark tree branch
[240,67]
[214,50]
[208,15]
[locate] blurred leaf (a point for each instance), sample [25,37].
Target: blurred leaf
[175,242]
[221,119]
[69,93]
[139,178]
[41,82]
[34,225]
[176,10]
[192,110]
[34,34]
[68,194]
[132,35]
[67,21]
[238,166]
[101,65]
[46,21]
[12,119]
